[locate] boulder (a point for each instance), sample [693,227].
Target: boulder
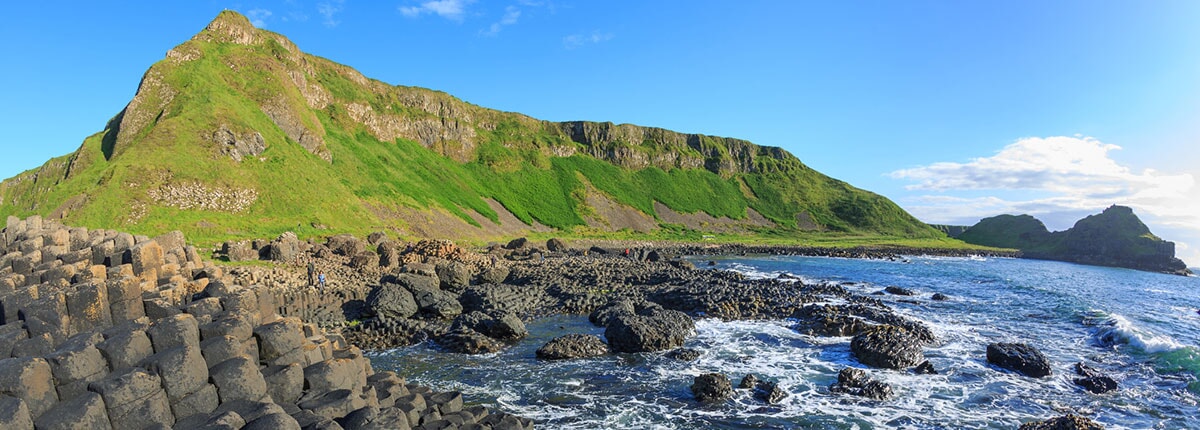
[365,260]
[651,329]
[391,301]
[517,243]
[1092,380]
[238,251]
[345,245]
[712,387]
[749,381]
[856,382]
[887,346]
[284,248]
[435,303]
[1065,422]
[572,346]
[769,392]
[467,341]
[1019,357]
[892,289]
[556,245]
[455,277]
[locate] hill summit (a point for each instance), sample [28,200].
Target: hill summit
[1114,237]
[238,133]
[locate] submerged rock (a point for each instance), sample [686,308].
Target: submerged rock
[572,346]
[888,347]
[1092,380]
[712,387]
[769,392]
[684,354]
[900,291]
[856,382]
[1020,358]
[749,381]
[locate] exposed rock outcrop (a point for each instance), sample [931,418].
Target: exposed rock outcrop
[1019,357]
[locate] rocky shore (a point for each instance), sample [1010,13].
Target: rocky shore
[97,323]
[102,329]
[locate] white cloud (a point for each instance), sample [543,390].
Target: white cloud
[580,39]
[449,9]
[511,15]
[1072,176]
[258,17]
[329,10]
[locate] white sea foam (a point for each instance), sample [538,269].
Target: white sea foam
[1117,329]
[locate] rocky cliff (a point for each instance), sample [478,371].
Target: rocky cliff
[1114,237]
[238,133]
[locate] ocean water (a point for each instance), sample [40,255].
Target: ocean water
[1141,328]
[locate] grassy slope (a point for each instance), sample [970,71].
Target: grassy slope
[227,84]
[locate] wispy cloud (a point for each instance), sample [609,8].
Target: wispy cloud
[1064,178]
[258,17]
[449,9]
[581,39]
[511,15]
[329,11]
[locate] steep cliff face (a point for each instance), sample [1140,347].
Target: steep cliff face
[239,132]
[1114,237]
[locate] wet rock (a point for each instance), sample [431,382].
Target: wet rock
[651,328]
[684,354]
[888,347]
[856,382]
[506,327]
[1092,380]
[573,346]
[899,291]
[769,392]
[823,320]
[1065,422]
[939,297]
[712,387]
[1019,357]
[925,368]
[748,381]
[467,341]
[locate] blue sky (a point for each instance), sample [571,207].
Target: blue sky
[955,110]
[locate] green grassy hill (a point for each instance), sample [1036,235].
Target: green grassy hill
[237,133]
[1115,237]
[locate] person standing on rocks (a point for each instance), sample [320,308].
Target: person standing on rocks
[321,282]
[311,269]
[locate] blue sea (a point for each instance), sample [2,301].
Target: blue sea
[1141,328]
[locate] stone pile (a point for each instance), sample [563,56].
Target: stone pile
[103,329]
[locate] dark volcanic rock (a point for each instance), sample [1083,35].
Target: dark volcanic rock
[556,245]
[1093,380]
[749,381]
[391,301]
[939,297]
[684,354]
[712,387]
[517,243]
[856,382]
[822,320]
[1065,422]
[468,341]
[769,392]
[506,327]
[900,291]
[572,346]
[925,368]
[649,328]
[887,346]
[1019,357]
